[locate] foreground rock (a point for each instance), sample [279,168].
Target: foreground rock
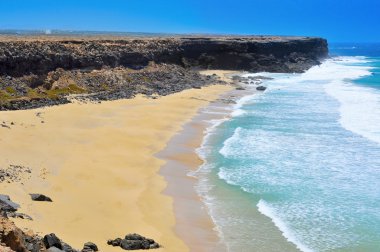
[89,247]
[14,239]
[134,242]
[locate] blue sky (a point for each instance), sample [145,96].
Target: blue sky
[336,20]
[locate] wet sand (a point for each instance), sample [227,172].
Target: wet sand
[194,224]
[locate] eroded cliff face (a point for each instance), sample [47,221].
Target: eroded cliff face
[42,71]
[274,54]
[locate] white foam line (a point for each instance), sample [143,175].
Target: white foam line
[266,210]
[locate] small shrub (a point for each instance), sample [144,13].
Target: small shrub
[10,90]
[4,97]
[74,89]
[32,93]
[70,89]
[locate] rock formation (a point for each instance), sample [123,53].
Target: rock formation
[42,71]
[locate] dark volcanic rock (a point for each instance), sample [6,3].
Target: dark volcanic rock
[40,197]
[6,205]
[42,72]
[89,247]
[134,242]
[273,54]
[261,88]
[51,240]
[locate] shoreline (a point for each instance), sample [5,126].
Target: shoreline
[121,183]
[194,223]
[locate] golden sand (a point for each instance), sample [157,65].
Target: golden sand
[97,163]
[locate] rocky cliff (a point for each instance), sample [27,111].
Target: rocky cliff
[275,54]
[39,71]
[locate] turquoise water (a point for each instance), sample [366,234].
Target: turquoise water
[305,155]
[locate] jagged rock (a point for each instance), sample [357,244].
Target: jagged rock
[16,239]
[261,88]
[288,54]
[89,247]
[134,242]
[51,240]
[39,197]
[115,243]
[6,205]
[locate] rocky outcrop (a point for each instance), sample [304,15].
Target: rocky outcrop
[273,54]
[134,242]
[37,72]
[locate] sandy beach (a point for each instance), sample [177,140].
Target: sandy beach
[97,162]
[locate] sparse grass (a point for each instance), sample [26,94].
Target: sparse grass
[70,89]
[55,93]
[76,89]
[10,90]
[32,93]
[4,97]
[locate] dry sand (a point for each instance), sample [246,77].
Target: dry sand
[97,163]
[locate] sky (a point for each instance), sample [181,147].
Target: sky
[336,20]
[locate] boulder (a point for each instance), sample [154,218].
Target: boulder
[51,240]
[40,197]
[261,88]
[6,205]
[90,246]
[134,242]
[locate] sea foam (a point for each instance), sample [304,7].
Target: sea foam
[265,209]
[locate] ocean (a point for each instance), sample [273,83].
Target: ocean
[297,167]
